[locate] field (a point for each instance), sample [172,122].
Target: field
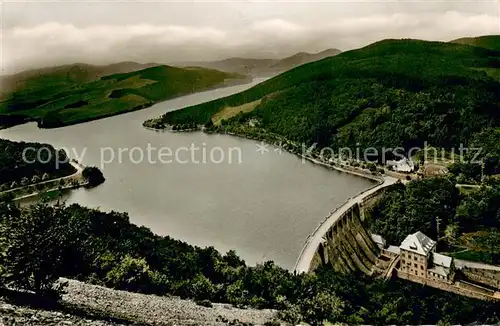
[230,112]
[479,246]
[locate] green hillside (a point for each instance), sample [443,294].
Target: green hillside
[52,79]
[491,42]
[69,95]
[17,164]
[388,94]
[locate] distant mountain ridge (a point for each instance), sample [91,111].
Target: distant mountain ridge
[303,58]
[262,67]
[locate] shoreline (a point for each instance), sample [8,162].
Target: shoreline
[75,176]
[359,172]
[28,196]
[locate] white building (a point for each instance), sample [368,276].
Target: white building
[403,165]
[419,258]
[442,268]
[416,252]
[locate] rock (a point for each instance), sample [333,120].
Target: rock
[99,306]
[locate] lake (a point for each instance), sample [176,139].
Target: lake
[208,190]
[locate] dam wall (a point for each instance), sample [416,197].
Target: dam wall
[342,241]
[368,201]
[347,246]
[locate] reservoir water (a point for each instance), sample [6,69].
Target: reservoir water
[232,193]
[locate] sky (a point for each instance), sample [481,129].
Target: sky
[46,33]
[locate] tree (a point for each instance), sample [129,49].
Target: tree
[237,294]
[492,241]
[201,288]
[291,314]
[93,175]
[232,259]
[323,306]
[132,274]
[35,242]
[452,233]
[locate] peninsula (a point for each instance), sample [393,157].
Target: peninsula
[66,95]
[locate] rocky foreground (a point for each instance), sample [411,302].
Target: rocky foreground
[92,305]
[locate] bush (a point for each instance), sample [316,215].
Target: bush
[237,294]
[201,288]
[131,274]
[292,314]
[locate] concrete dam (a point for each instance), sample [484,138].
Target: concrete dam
[347,246]
[341,241]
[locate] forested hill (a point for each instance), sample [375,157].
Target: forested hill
[488,41]
[30,161]
[390,93]
[76,94]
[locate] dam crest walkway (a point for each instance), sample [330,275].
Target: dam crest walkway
[313,241]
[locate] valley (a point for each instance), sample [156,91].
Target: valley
[212,229]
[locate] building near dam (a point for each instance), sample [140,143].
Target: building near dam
[416,260]
[419,258]
[342,243]
[403,165]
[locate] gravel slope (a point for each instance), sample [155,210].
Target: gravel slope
[128,308]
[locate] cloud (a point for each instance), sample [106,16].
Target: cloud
[58,43]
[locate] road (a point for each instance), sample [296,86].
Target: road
[307,253]
[459,263]
[75,176]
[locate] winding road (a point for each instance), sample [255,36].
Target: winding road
[75,176]
[312,243]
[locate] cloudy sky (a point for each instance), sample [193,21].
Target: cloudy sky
[42,33]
